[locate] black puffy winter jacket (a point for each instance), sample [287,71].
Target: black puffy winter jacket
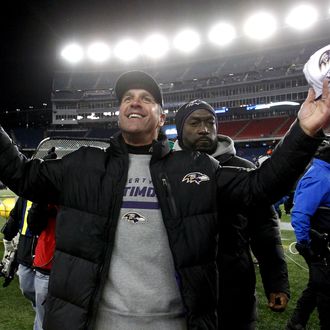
[88,185]
[259,231]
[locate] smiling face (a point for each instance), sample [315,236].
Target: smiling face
[200,131]
[140,117]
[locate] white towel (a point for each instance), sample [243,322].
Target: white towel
[317,68]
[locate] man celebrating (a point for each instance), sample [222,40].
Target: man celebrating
[136,234]
[196,124]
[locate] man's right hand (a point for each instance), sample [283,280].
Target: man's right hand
[278,301]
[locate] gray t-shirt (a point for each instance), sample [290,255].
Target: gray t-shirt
[141,291]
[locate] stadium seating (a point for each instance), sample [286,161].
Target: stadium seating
[250,153]
[68,133]
[285,126]
[28,137]
[231,128]
[261,128]
[102,133]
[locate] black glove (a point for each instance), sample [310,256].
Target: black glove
[50,154]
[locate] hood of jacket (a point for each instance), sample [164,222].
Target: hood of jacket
[225,148]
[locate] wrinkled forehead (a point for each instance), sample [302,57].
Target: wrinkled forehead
[201,114]
[137,92]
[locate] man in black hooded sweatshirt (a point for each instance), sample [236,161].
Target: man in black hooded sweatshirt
[196,123]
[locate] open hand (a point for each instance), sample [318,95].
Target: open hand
[315,115]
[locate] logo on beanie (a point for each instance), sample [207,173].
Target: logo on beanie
[324,63]
[195,177]
[195,102]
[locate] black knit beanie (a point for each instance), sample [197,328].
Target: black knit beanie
[186,110]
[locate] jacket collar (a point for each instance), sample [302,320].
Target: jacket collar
[160,148]
[321,162]
[225,148]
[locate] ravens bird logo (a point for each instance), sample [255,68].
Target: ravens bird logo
[324,63]
[195,177]
[195,102]
[133,217]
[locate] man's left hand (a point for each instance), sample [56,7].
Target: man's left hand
[315,115]
[278,301]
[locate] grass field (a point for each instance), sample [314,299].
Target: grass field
[298,276]
[16,312]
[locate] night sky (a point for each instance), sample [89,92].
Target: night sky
[34,31]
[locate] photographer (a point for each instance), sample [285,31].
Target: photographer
[17,223]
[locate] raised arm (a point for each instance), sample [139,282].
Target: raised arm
[275,177]
[35,180]
[315,115]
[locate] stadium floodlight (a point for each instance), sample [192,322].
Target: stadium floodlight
[155,46]
[222,34]
[186,41]
[98,52]
[72,53]
[260,26]
[127,50]
[302,17]
[92,116]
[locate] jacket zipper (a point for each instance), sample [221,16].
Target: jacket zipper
[174,213]
[169,196]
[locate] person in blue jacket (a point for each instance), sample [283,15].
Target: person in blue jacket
[311,223]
